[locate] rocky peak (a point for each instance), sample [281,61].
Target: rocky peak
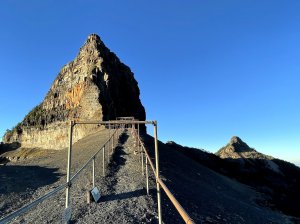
[96,85]
[235,149]
[93,38]
[237,145]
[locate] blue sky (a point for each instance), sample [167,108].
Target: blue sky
[207,70]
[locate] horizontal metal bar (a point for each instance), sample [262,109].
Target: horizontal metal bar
[174,201]
[179,208]
[31,205]
[115,122]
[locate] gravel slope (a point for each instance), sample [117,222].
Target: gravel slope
[123,200]
[206,195]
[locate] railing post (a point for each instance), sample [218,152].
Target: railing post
[142,157]
[109,137]
[69,164]
[147,181]
[93,172]
[103,161]
[109,144]
[157,173]
[113,142]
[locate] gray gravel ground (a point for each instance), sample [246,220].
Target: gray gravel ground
[123,200]
[206,195]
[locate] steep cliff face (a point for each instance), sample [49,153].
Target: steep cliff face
[96,85]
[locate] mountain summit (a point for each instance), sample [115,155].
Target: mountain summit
[236,149]
[237,145]
[96,85]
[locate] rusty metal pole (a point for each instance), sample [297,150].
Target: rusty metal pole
[109,137]
[93,172]
[157,173]
[141,150]
[69,164]
[142,163]
[112,145]
[147,181]
[109,143]
[103,161]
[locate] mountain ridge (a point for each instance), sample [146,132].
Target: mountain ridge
[276,179]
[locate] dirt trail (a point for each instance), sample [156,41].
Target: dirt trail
[206,195]
[123,200]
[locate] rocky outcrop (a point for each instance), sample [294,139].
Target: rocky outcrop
[239,151]
[236,149]
[96,85]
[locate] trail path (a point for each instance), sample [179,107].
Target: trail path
[207,196]
[124,198]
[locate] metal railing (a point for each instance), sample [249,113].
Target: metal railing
[110,143]
[187,219]
[125,123]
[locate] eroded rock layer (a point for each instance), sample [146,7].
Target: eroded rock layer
[96,85]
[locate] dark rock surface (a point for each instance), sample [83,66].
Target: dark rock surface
[96,85]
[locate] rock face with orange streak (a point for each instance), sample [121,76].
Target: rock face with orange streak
[96,85]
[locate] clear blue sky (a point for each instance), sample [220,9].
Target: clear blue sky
[207,70]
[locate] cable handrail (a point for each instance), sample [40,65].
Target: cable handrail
[39,200]
[91,159]
[31,205]
[67,185]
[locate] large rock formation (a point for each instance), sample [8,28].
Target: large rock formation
[94,86]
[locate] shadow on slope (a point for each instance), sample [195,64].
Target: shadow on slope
[279,187]
[126,195]
[117,160]
[198,182]
[18,179]
[7,147]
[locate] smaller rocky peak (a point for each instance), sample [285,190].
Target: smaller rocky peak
[235,148]
[93,38]
[237,145]
[235,139]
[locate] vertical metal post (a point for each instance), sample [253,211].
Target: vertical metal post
[103,161]
[109,135]
[112,145]
[147,181]
[157,172]
[142,154]
[111,141]
[69,164]
[139,150]
[93,172]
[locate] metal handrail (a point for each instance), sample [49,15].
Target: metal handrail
[31,205]
[67,185]
[177,205]
[91,159]
[148,157]
[187,219]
